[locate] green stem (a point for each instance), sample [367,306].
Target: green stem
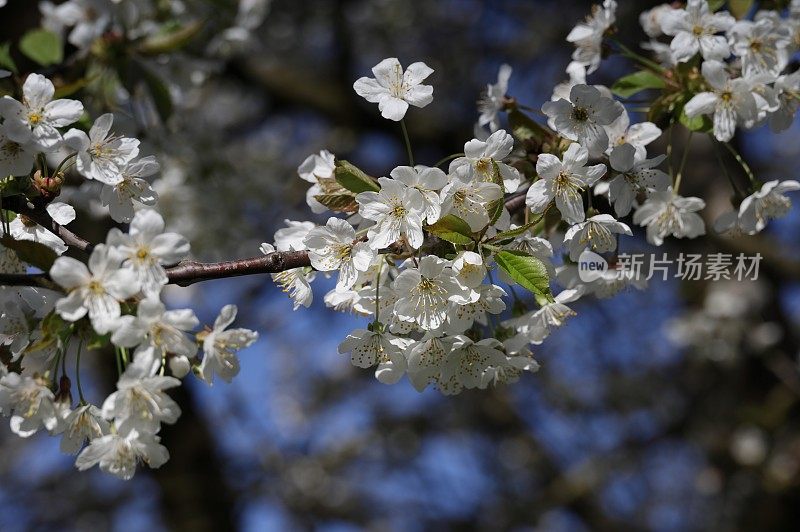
[408,142]
[679,176]
[377,294]
[78,371]
[448,158]
[735,187]
[119,361]
[627,52]
[61,164]
[753,181]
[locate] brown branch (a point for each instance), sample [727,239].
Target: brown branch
[186,273]
[40,215]
[189,272]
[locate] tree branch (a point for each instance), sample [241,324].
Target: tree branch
[40,215]
[184,273]
[190,272]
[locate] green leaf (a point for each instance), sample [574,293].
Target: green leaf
[42,46]
[176,39]
[627,86]
[528,271]
[5,58]
[740,8]
[338,202]
[524,127]
[353,178]
[33,253]
[701,123]
[453,229]
[495,209]
[715,5]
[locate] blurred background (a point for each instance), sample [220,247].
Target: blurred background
[672,408]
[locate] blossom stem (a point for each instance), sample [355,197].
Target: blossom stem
[377,293]
[408,143]
[627,52]
[43,163]
[737,193]
[78,371]
[679,175]
[448,158]
[62,163]
[119,361]
[743,164]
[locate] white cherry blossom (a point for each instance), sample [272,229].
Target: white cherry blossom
[220,347]
[535,326]
[588,36]
[146,249]
[489,300]
[467,363]
[296,282]
[596,233]
[84,423]
[118,453]
[15,158]
[491,102]
[762,45]
[96,290]
[768,203]
[469,269]
[634,175]
[368,348]
[428,181]
[119,197]
[397,211]
[424,292]
[30,403]
[483,159]
[334,247]
[582,118]
[665,213]
[318,169]
[23,228]
[563,180]
[140,403]
[731,101]
[468,200]
[694,29]
[621,131]
[393,90]
[37,117]
[101,154]
[156,331]
[788,90]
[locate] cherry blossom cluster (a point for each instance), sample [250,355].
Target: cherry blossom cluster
[454,264]
[440,260]
[111,302]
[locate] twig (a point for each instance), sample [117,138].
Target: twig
[187,273]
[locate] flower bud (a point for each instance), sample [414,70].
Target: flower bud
[48,186]
[179,366]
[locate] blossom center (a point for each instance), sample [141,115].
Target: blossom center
[96,287]
[11,149]
[398,211]
[580,114]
